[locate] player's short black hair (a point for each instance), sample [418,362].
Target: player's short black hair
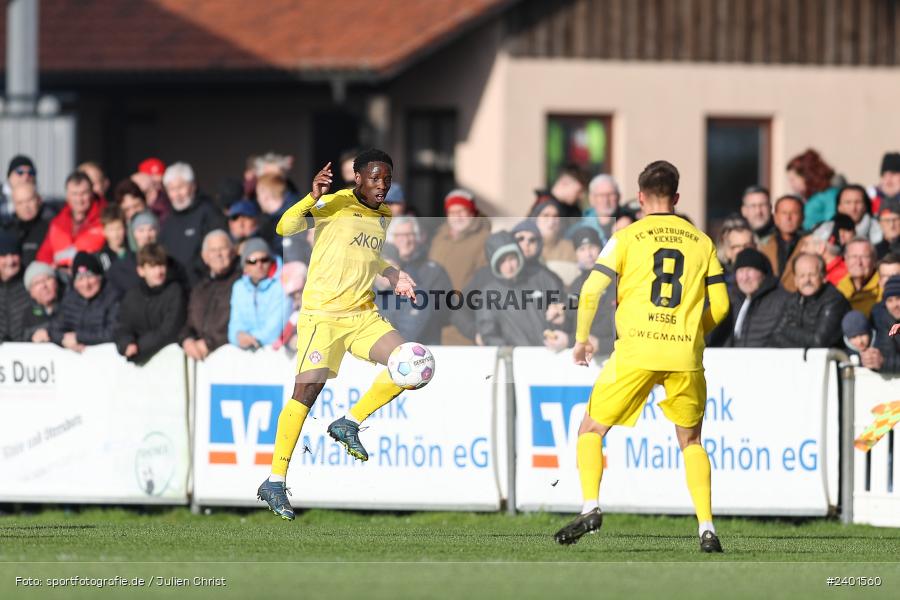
[659,178]
[371,155]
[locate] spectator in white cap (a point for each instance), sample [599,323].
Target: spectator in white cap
[259,308]
[43,288]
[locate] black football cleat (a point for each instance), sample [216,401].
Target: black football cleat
[709,542]
[580,525]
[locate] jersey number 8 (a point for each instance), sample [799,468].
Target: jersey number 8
[673,278]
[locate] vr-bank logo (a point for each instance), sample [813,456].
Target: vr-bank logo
[242,423]
[556,413]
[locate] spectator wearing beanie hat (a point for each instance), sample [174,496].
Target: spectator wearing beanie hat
[89,310]
[528,324]
[458,246]
[13,296]
[149,178]
[259,306]
[885,316]
[756,303]
[858,333]
[20,170]
[43,288]
[888,189]
[531,243]
[142,230]
[588,244]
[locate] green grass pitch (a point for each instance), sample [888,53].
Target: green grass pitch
[332,554]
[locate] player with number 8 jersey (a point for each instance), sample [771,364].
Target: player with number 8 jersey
[670,292]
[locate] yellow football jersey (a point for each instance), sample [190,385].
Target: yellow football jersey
[662,265]
[346,255]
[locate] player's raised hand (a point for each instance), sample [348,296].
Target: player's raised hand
[582,353]
[895,329]
[405,286]
[322,182]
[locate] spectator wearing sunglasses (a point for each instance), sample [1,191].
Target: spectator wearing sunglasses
[259,308]
[20,170]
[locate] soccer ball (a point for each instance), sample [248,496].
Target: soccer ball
[411,365]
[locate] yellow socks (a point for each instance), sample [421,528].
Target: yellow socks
[383,390]
[290,422]
[696,465]
[589,451]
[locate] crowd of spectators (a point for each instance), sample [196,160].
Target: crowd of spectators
[160,262]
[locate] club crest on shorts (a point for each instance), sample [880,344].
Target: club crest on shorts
[315,358]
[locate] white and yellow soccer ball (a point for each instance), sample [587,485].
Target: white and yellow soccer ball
[411,365]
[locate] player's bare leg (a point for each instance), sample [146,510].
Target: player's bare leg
[589,451]
[698,472]
[273,490]
[346,429]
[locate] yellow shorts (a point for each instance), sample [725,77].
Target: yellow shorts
[322,341]
[620,393]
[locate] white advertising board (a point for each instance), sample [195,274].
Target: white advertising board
[428,449]
[764,432]
[91,427]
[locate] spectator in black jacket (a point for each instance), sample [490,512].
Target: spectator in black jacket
[506,318]
[756,304]
[43,288]
[885,315]
[13,295]
[812,315]
[209,308]
[152,314]
[30,220]
[422,320]
[191,219]
[89,310]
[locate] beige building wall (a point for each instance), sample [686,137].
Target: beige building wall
[659,111]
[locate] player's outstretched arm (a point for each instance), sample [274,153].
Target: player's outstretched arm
[297,218]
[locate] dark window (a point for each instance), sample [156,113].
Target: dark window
[430,144]
[737,156]
[582,140]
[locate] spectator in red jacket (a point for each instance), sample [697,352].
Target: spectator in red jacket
[76,228]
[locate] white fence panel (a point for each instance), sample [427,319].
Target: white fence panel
[428,449]
[91,427]
[764,432]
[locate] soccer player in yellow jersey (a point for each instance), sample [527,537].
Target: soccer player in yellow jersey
[338,313]
[665,270]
